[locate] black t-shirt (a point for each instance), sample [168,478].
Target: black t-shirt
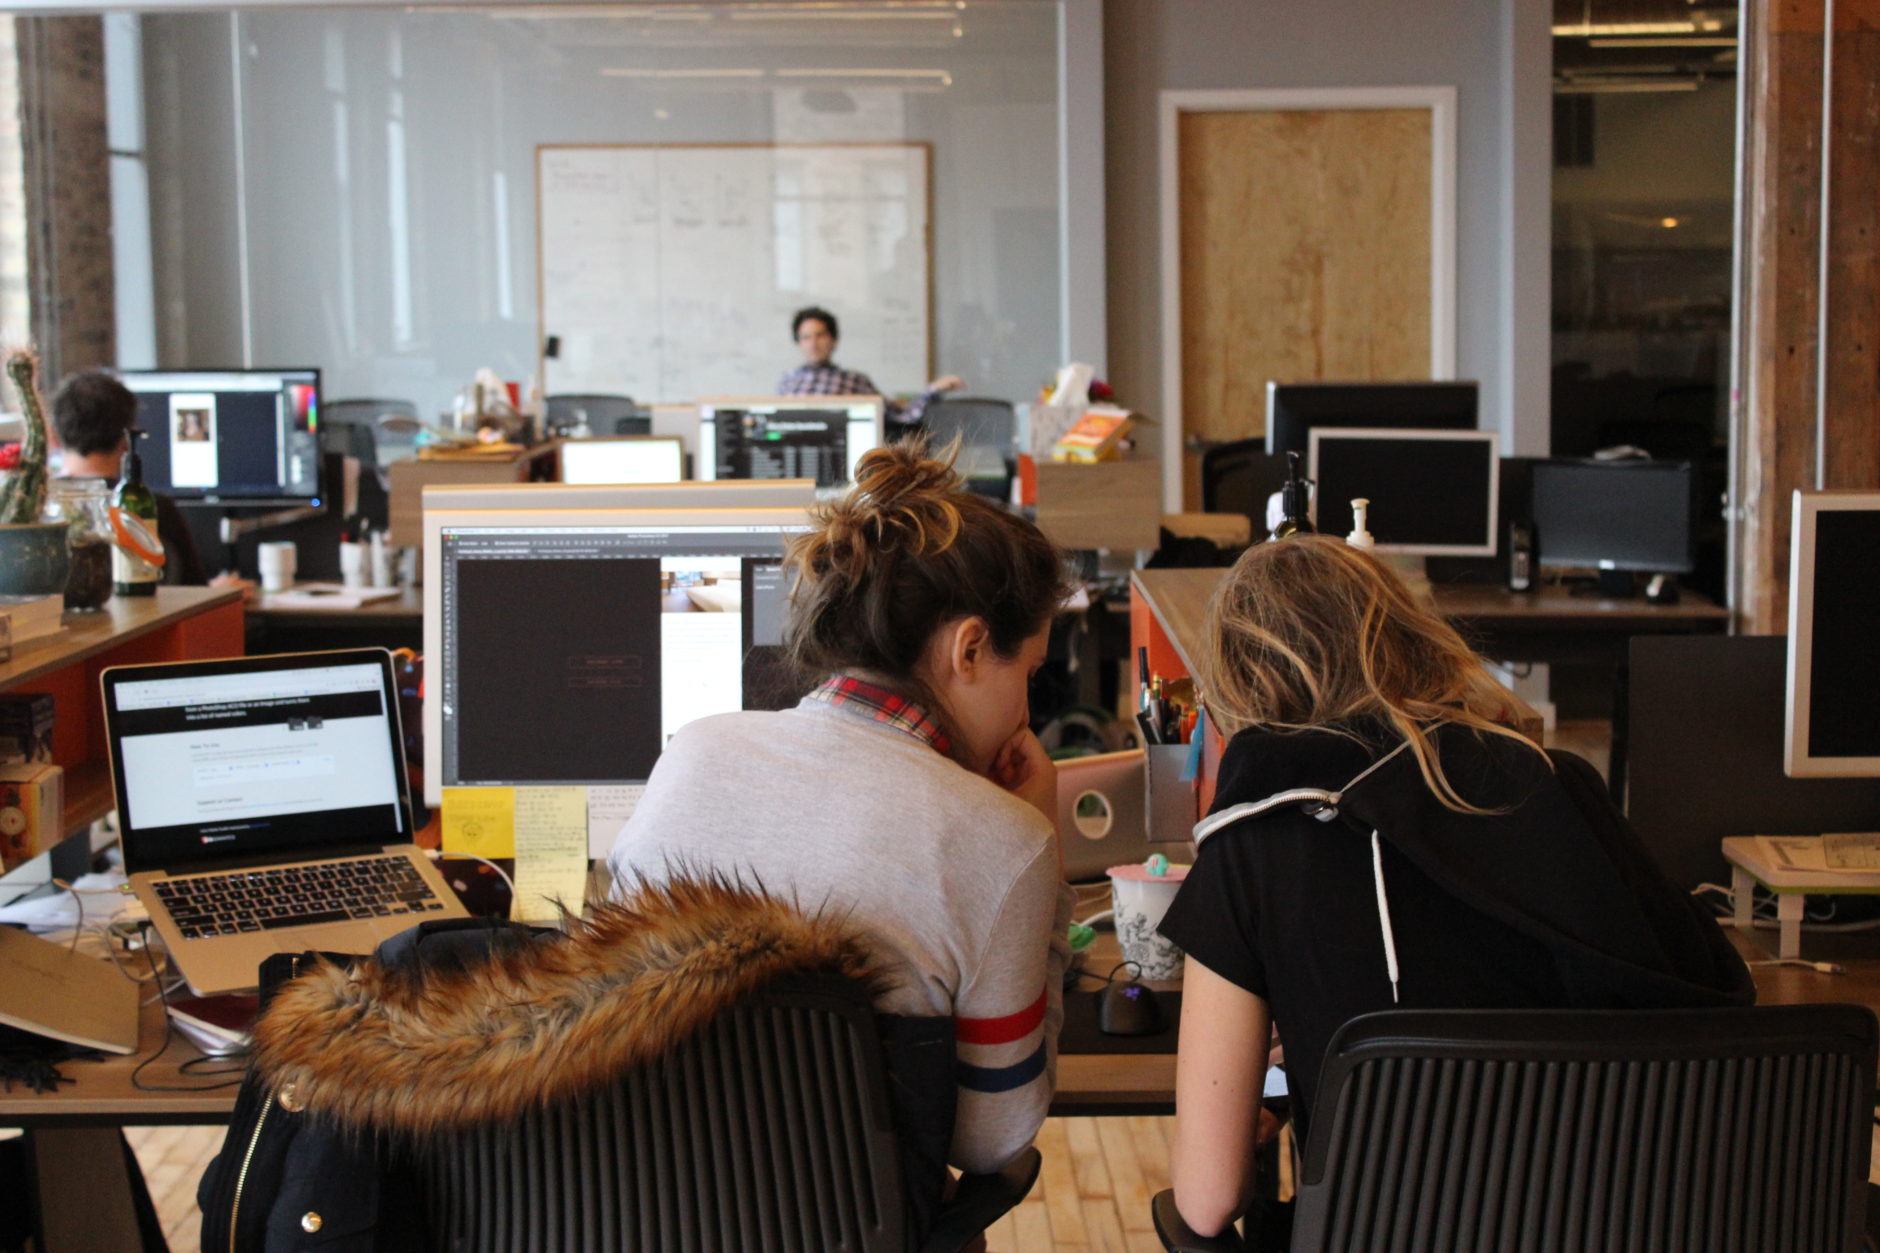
[1286,908]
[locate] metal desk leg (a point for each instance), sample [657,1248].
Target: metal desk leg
[83,1190]
[1743,893]
[1789,923]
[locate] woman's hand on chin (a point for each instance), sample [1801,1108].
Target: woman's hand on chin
[1023,768]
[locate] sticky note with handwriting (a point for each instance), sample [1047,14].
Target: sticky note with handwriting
[608,808]
[551,851]
[480,821]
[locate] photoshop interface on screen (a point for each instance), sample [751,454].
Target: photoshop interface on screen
[229,434]
[801,444]
[570,655]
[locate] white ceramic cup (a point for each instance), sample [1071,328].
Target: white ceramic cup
[278,560]
[354,565]
[1140,899]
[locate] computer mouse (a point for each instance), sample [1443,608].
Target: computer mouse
[1126,1007]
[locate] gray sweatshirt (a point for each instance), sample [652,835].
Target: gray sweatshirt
[955,878]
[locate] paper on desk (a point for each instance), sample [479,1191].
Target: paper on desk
[608,809]
[480,821]
[551,851]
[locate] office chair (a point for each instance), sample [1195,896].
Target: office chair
[776,1123]
[1524,1130]
[356,428]
[600,414]
[1238,478]
[987,431]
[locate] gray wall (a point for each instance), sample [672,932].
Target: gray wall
[402,289]
[1496,56]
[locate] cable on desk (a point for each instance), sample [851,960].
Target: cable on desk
[169,1035]
[437,854]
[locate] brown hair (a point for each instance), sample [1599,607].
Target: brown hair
[1310,633]
[906,551]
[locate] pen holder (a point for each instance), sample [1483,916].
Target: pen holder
[1170,801]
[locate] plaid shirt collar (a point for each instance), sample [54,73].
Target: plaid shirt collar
[885,707]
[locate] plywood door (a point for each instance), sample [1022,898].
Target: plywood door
[1305,254]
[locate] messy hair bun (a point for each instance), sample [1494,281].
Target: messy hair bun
[907,550]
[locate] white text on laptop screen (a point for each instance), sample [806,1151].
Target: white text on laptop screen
[211,761]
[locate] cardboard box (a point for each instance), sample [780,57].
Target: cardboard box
[410,477]
[32,811]
[1107,504]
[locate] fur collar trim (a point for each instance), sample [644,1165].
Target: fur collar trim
[410,1049]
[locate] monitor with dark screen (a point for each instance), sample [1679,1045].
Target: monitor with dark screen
[1833,724]
[664,616]
[1615,515]
[230,437]
[1294,410]
[1431,493]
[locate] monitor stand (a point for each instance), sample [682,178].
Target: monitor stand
[1616,585]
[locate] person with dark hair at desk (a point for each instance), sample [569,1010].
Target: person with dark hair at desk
[816,334]
[93,417]
[1381,837]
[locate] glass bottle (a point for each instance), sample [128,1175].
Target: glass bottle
[84,505]
[134,525]
[1295,502]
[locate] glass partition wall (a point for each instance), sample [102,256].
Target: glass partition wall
[355,189]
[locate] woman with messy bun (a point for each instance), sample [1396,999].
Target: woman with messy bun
[906,790]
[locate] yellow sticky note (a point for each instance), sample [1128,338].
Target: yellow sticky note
[551,851]
[480,821]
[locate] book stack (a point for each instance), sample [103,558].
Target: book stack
[218,1025]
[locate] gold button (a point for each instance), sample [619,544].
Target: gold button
[311,1222]
[292,1104]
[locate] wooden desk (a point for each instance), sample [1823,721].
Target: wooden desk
[397,622]
[176,624]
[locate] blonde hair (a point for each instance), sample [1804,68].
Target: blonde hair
[1310,633]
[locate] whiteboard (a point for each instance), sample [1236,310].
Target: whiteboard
[670,272]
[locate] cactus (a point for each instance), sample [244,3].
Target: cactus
[23,494]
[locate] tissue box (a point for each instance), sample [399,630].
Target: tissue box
[32,811]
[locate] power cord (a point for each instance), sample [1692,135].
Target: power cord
[192,1067]
[438,854]
[1826,968]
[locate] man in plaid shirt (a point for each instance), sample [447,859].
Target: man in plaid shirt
[816,334]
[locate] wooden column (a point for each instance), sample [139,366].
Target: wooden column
[1810,381]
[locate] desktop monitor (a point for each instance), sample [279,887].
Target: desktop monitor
[624,459]
[1432,493]
[1616,515]
[230,437]
[1294,410]
[662,616]
[1832,727]
[787,437]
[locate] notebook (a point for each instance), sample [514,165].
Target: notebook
[263,808]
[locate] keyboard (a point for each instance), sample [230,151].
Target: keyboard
[1851,850]
[295,896]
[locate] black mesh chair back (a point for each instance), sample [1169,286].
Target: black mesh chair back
[1569,1131]
[1238,477]
[985,429]
[600,414]
[1518,1131]
[351,427]
[771,1129]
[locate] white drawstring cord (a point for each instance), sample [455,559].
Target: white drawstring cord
[1383,914]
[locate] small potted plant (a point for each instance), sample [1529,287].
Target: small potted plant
[34,558]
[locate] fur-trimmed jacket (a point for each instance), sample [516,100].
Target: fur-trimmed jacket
[462,1023]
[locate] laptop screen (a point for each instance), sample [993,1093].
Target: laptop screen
[256,757]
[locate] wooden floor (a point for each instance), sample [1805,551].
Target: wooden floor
[1093,1196]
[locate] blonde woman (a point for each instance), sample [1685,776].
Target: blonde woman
[1382,837]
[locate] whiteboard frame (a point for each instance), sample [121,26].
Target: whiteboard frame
[924,146]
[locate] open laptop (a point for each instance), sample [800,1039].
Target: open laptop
[263,808]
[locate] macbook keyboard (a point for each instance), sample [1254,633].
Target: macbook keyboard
[295,896]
